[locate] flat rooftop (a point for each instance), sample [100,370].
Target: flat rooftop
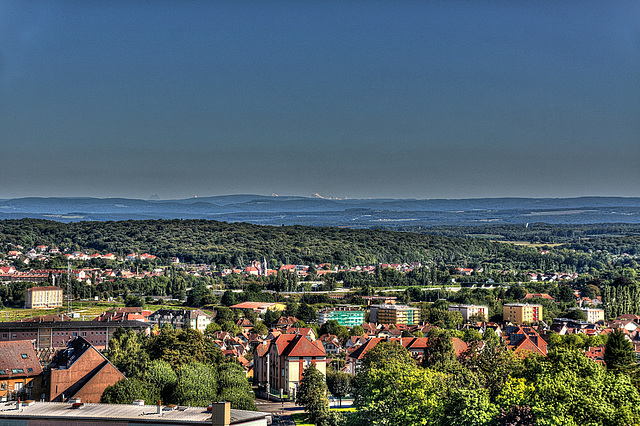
[119,413]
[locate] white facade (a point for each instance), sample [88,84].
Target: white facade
[467,311]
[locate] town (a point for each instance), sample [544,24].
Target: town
[273,324]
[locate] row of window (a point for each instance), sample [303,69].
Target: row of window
[17,371]
[5,336]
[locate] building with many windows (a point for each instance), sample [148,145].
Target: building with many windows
[43,297]
[394,314]
[593,315]
[467,311]
[280,362]
[521,313]
[348,316]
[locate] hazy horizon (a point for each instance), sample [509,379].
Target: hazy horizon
[422,100]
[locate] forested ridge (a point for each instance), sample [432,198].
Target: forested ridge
[202,241]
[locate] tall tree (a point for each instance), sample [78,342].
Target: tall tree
[312,394]
[619,355]
[339,383]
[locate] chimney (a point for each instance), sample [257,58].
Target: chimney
[221,414]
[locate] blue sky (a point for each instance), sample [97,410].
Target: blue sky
[405,99]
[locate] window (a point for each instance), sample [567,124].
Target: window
[25,356]
[84,334]
[5,335]
[3,372]
[3,385]
[29,370]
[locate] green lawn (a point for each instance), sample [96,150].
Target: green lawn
[89,309]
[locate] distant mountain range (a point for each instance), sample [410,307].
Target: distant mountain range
[317,211]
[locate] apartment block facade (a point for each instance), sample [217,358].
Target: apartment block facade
[347,316]
[521,313]
[467,311]
[394,314]
[43,297]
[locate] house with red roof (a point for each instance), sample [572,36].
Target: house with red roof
[279,363]
[525,341]
[19,370]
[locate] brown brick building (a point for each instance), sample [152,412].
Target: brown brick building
[80,371]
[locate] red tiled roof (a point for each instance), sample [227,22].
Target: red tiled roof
[18,358]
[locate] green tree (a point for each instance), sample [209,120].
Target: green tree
[224,314]
[197,385]
[125,391]
[127,352]
[357,331]
[439,350]
[312,394]
[338,383]
[397,392]
[260,329]
[234,387]
[378,356]
[160,380]
[619,355]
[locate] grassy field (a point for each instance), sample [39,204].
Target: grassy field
[527,243]
[87,309]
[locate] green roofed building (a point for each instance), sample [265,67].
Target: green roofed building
[348,316]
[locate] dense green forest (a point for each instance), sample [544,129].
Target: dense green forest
[235,245]
[534,232]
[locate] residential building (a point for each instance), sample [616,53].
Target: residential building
[181,318]
[467,311]
[20,371]
[124,314]
[43,297]
[80,371]
[280,362]
[57,334]
[348,316]
[593,315]
[525,340]
[385,300]
[394,314]
[521,313]
[260,307]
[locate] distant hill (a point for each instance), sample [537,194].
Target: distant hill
[315,211]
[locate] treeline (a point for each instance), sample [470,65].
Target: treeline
[621,297]
[535,232]
[224,244]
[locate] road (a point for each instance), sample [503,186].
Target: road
[285,410]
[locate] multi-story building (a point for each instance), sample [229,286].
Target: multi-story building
[348,316]
[80,371]
[19,370]
[521,313]
[394,314]
[467,311]
[593,315]
[181,318]
[280,362]
[43,297]
[57,334]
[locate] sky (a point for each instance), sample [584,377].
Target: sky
[400,99]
